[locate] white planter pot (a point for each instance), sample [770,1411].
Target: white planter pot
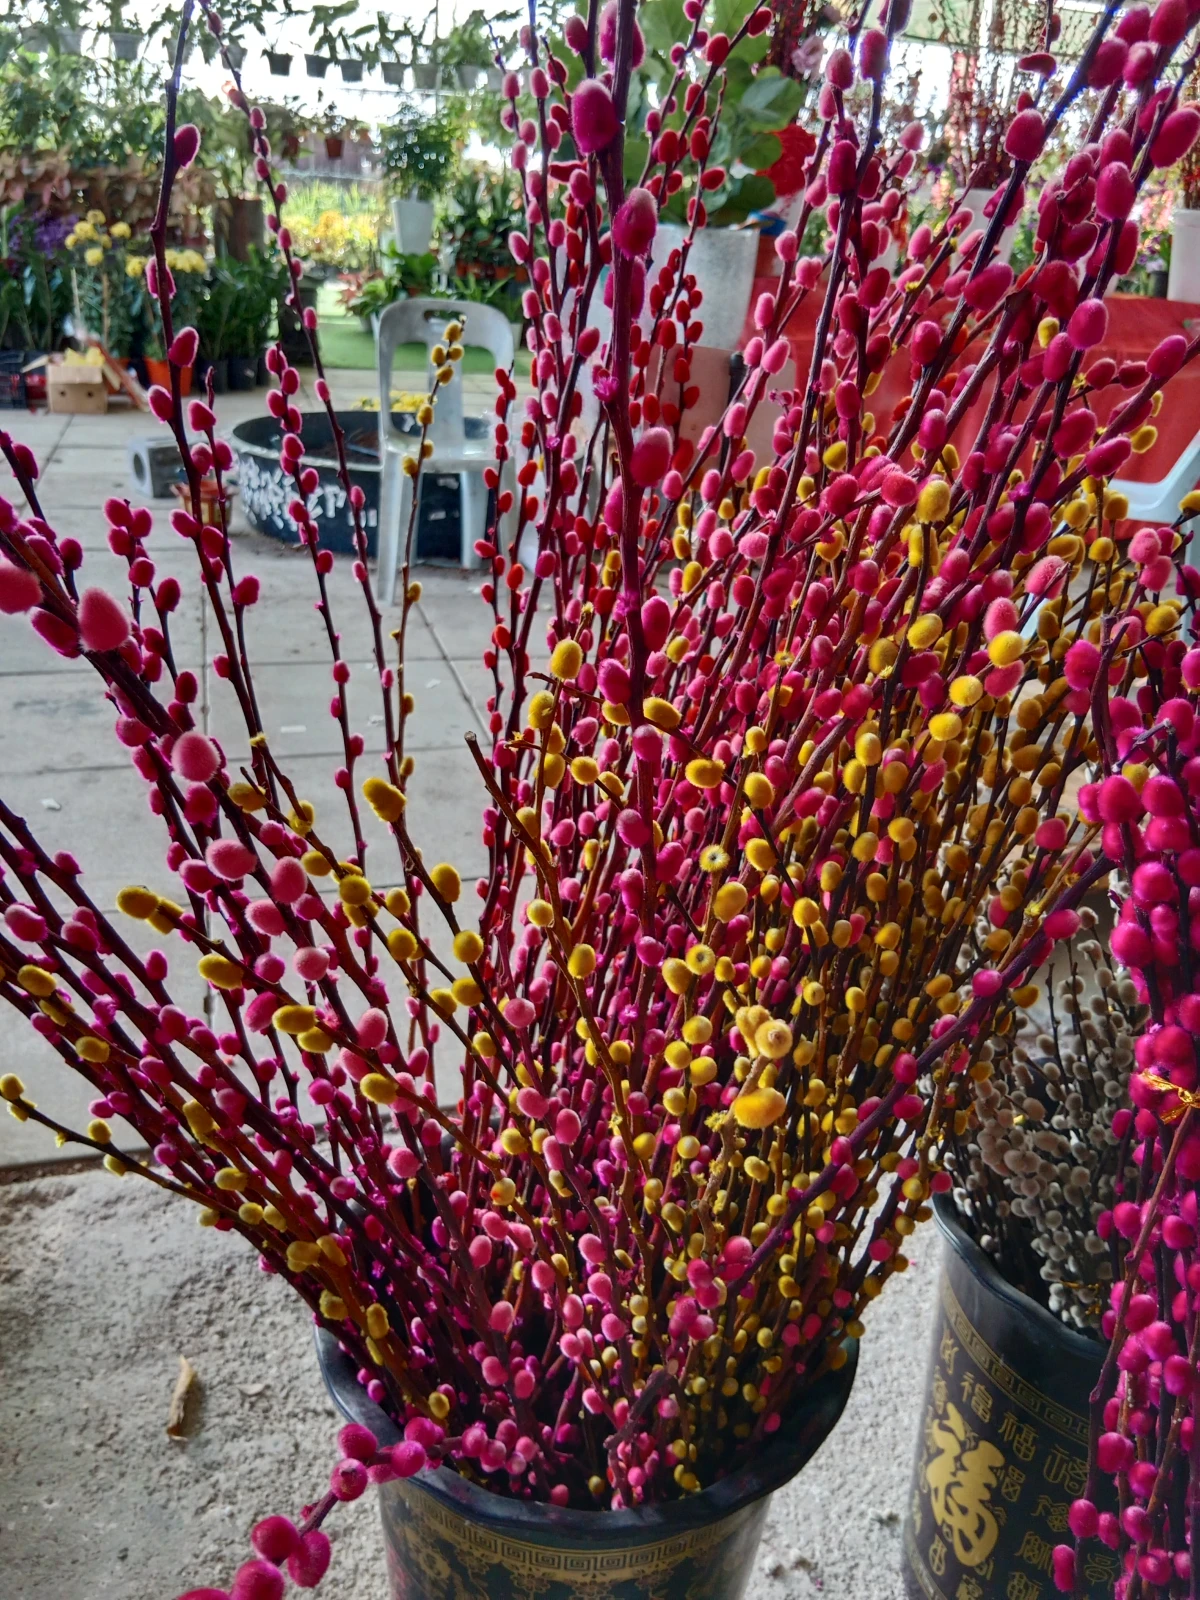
[722,261]
[1183,281]
[974,201]
[413,224]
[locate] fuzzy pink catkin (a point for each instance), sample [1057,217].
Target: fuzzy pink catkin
[195,758]
[275,1538]
[1088,324]
[1025,137]
[184,347]
[309,1564]
[288,880]
[19,589]
[635,223]
[1176,137]
[103,622]
[187,144]
[257,1580]
[651,456]
[230,859]
[593,117]
[1115,191]
[159,399]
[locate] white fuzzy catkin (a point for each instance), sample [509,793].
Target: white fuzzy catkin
[1037,1167]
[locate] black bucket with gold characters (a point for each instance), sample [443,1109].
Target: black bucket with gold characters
[448,1538]
[1002,1448]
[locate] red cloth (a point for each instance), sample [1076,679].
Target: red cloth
[1136,324]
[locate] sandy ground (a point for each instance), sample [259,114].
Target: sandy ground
[104,1283]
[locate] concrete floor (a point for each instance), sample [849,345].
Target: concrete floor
[104,1284]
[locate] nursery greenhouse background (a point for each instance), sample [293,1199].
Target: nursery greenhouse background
[704,494]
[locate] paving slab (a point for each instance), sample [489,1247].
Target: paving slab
[294,704]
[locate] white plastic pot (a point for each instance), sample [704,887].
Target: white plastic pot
[1183,281]
[412,221]
[974,201]
[722,261]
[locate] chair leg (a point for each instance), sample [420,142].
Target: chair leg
[387,534]
[472,515]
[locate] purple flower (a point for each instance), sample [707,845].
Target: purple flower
[50,233]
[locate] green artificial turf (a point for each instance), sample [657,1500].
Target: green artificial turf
[345,346]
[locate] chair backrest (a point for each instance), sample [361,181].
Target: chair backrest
[420,321]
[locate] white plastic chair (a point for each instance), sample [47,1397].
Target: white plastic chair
[1159,501]
[423,322]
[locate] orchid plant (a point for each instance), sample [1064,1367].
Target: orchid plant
[803,715]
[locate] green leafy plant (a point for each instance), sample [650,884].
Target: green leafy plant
[401,275]
[330,38]
[476,216]
[419,152]
[35,288]
[215,315]
[759,101]
[469,43]
[257,286]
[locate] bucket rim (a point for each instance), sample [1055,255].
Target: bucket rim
[981,1266]
[777,1461]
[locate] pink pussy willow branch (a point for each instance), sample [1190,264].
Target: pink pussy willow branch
[780,822]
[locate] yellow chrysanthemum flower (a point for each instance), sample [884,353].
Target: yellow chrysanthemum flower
[120,230]
[96,218]
[94,256]
[135,266]
[85,231]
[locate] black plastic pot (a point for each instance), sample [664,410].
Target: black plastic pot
[447,1537]
[317,66]
[266,492]
[243,372]
[1002,1449]
[393,73]
[280,63]
[352,71]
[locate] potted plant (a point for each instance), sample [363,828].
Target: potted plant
[216,319]
[330,41]
[287,125]
[254,288]
[125,43]
[334,127]
[107,288]
[426,68]
[388,40]
[467,50]
[1027,1273]
[418,157]
[401,275]
[760,101]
